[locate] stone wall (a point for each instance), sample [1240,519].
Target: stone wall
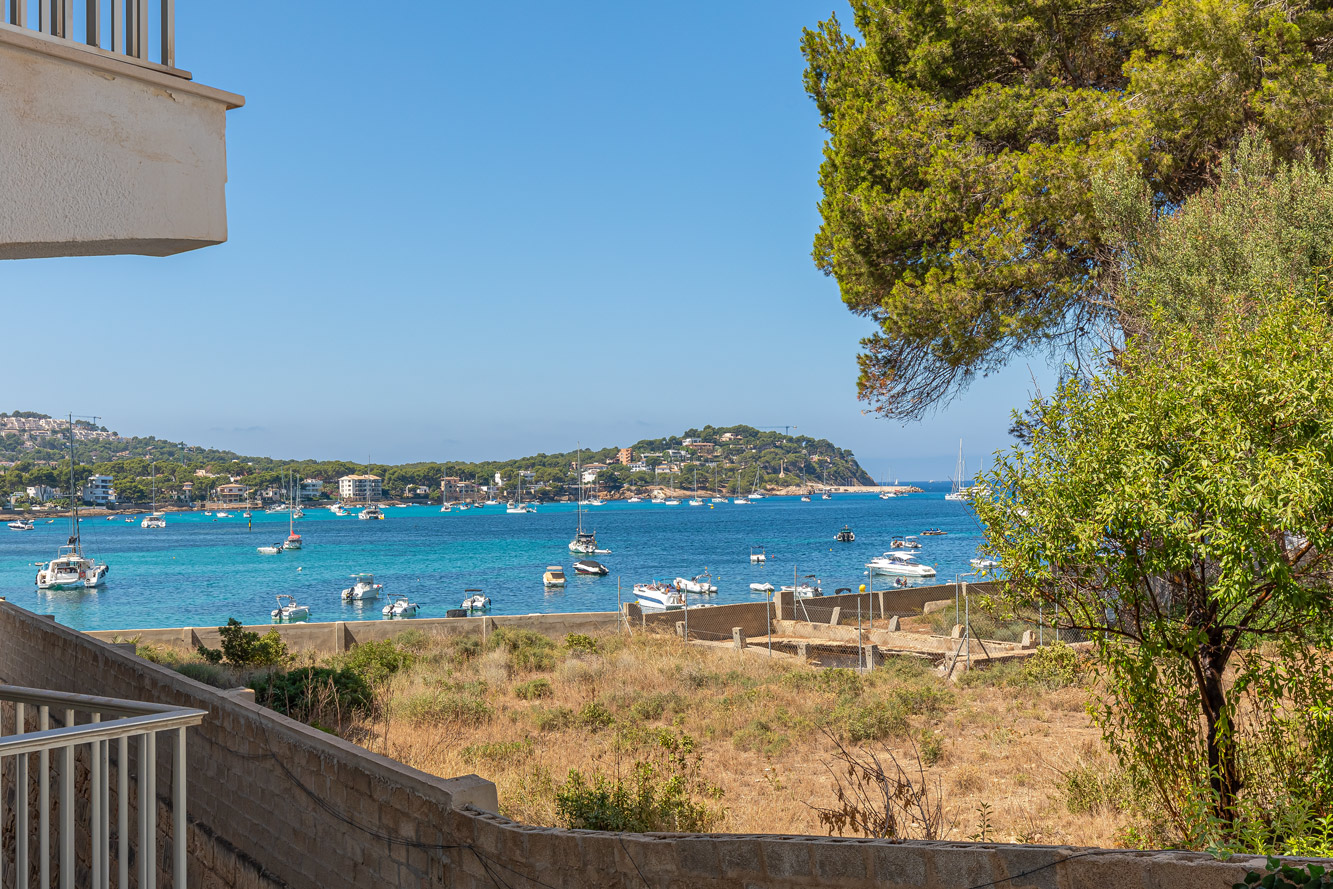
[274,803]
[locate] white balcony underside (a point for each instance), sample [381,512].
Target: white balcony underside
[100,155]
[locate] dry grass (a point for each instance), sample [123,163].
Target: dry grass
[757,723]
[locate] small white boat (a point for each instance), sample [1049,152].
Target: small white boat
[156,520]
[273,550]
[364,587]
[658,597]
[899,562]
[553,576]
[906,543]
[757,555]
[21,525]
[129,520]
[222,515]
[462,507]
[298,513]
[846,535]
[761,587]
[337,509]
[699,585]
[804,590]
[371,513]
[209,512]
[519,508]
[826,496]
[289,610]
[672,502]
[718,500]
[634,500]
[477,602]
[741,501]
[492,502]
[695,501]
[985,564]
[805,498]
[446,508]
[247,514]
[109,518]
[588,566]
[400,607]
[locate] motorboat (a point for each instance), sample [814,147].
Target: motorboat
[985,564]
[588,566]
[288,610]
[672,502]
[210,512]
[247,514]
[364,587]
[757,555]
[740,501]
[462,507]
[371,513]
[553,576]
[845,535]
[805,498]
[338,509]
[899,562]
[222,515]
[807,589]
[21,525]
[155,520]
[826,496]
[761,587]
[634,500]
[446,508]
[129,520]
[518,508]
[400,607]
[698,585]
[492,502]
[658,597]
[478,601]
[110,518]
[659,500]
[298,513]
[906,543]
[273,550]
[933,532]
[717,500]
[695,501]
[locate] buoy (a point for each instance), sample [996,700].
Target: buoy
[298,569]
[863,588]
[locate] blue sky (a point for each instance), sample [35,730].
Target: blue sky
[487,230]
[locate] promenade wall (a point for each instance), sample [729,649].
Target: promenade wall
[274,803]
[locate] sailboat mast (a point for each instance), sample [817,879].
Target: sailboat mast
[73,500]
[578,470]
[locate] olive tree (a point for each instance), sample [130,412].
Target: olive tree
[1178,510]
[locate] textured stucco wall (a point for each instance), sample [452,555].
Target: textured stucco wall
[101,156]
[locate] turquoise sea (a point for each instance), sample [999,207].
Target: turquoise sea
[199,571]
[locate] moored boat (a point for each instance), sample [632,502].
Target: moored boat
[899,562]
[554,575]
[478,601]
[699,585]
[400,607]
[363,588]
[288,610]
[658,597]
[845,535]
[590,567]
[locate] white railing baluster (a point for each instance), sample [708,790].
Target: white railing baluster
[168,25]
[141,30]
[129,25]
[178,808]
[148,842]
[18,13]
[67,838]
[44,803]
[118,10]
[123,812]
[104,841]
[20,805]
[95,790]
[66,22]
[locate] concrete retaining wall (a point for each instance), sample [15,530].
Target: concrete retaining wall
[336,637]
[274,803]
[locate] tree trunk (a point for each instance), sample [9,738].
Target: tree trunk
[1222,774]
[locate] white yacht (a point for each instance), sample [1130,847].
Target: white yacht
[446,507]
[899,562]
[695,501]
[634,500]
[658,597]
[371,513]
[400,607]
[222,515]
[21,525]
[740,501]
[717,500]
[288,610]
[364,587]
[584,542]
[757,555]
[155,520]
[985,564]
[273,550]
[672,502]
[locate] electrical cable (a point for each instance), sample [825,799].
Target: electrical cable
[1035,870]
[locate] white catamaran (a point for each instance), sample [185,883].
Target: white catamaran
[71,569]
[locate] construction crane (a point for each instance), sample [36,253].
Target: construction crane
[786,430]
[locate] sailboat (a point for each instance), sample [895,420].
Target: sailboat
[518,506]
[584,542]
[959,492]
[155,519]
[741,499]
[70,569]
[805,490]
[754,494]
[293,540]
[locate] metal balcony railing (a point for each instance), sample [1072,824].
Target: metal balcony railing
[52,726]
[123,27]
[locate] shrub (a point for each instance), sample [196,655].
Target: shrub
[663,794]
[528,651]
[1053,666]
[552,719]
[1090,790]
[465,648]
[595,716]
[314,692]
[209,674]
[243,648]
[444,706]
[377,661]
[581,642]
[652,706]
[870,721]
[761,736]
[1284,875]
[533,689]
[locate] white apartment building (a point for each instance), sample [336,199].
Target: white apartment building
[311,488]
[359,488]
[98,490]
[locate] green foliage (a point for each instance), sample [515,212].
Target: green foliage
[664,793]
[309,693]
[528,651]
[375,661]
[655,705]
[209,674]
[763,736]
[1052,667]
[1282,875]
[965,140]
[497,753]
[552,719]
[243,648]
[871,720]
[581,642]
[465,648]
[595,716]
[533,689]
[449,705]
[1176,510]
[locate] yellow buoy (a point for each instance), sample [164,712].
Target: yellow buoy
[863,588]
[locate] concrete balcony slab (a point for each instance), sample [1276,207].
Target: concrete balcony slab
[103,155]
